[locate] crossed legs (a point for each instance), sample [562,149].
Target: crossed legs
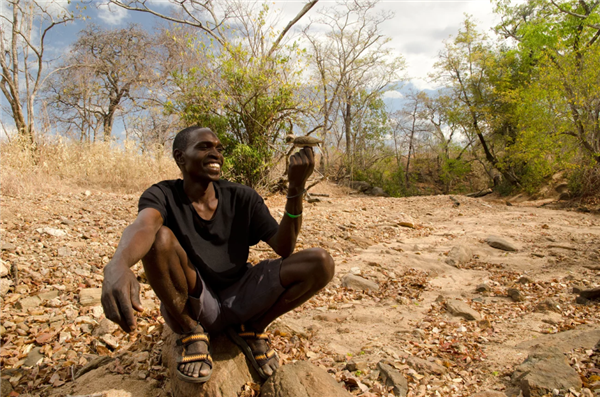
[174,279]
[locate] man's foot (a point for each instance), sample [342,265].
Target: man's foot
[255,346]
[195,362]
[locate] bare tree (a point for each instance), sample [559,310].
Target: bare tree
[109,66]
[353,65]
[23,34]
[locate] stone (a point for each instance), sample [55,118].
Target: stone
[490,393]
[565,341]
[93,364]
[34,357]
[64,252]
[3,268]
[361,186]
[543,371]
[90,296]
[105,327]
[361,242]
[515,295]
[27,303]
[5,285]
[547,305]
[230,373]
[52,231]
[458,255]
[8,247]
[301,379]
[501,244]
[428,367]
[353,366]
[358,283]
[524,280]
[593,293]
[392,378]
[482,288]
[5,388]
[376,191]
[462,309]
[48,295]
[110,341]
[330,317]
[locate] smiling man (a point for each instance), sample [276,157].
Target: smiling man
[193,237]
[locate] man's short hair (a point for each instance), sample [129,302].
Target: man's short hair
[182,138]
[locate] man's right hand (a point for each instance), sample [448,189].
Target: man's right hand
[120,295]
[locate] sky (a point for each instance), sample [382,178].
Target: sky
[417,30]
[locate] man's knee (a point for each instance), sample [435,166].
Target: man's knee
[164,240]
[323,265]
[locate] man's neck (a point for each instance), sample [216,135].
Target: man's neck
[199,192]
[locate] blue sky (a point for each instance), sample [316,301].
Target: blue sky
[417,30]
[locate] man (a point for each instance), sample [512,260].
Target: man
[193,237]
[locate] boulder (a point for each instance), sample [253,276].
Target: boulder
[358,283]
[501,244]
[230,372]
[392,378]
[483,288]
[489,393]
[301,379]
[376,191]
[461,309]
[458,255]
[593,293]
[543,371]
[515,295]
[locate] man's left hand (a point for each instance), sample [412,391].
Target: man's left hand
[301,167]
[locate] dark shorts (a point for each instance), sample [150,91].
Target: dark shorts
[249,298]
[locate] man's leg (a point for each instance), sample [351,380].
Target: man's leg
[173,279]
[302,274]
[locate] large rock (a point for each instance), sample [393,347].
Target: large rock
[458,255]
[358,283]
[302,379]
[376,191]
[543,371]
[428,367]
[564,341]
[489,393]
[501,244]
[461,309]
[230,372]
[393,378]
[28,303]
[361,186]
[90,296]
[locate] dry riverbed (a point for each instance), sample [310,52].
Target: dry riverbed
[428,266]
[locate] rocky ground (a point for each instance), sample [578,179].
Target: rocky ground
[449,295]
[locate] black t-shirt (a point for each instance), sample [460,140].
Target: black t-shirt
[218,247]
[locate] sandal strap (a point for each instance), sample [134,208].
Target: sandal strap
[262,359]
[251,334]
[194,358]
[194,337]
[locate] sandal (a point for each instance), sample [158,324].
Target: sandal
[240,337]
[183,342]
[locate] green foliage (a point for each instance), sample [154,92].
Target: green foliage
[244,164]
[452,170]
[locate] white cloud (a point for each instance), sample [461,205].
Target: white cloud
[111,14]
[393,94]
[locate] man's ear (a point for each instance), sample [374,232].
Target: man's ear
[178,155]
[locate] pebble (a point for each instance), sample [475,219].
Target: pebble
[515,295]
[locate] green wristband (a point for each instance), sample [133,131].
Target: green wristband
[293,216]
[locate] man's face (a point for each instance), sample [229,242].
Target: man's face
[203,157]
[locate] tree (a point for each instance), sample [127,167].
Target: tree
[23,35]
[108,66]
[468,67]
[353,66]
[562,41]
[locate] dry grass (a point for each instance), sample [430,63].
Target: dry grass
[57,165]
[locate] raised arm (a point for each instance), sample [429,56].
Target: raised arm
[301,167]
[120,289]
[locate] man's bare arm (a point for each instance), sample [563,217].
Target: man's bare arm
[301,167]
[120,289]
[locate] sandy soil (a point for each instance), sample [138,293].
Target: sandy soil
[400,243]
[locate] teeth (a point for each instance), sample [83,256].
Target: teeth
[214,166]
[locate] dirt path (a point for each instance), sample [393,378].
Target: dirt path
[401,244]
